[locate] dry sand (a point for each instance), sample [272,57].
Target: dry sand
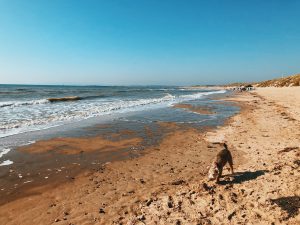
[286,96]
[168,185]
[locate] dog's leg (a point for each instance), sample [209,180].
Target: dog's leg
[231,164]
[220,170]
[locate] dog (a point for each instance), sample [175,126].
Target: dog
[216,168]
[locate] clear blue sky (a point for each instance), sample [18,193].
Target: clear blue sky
[147,41]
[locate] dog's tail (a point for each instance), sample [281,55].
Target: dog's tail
[225,145]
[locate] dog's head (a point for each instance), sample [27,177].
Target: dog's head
[213,171]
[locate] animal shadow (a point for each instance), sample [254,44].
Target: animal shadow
[240,177]
[290,204]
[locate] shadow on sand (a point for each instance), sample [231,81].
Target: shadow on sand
[290,204]
[240,177]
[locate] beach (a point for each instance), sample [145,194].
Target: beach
[149,113]
[166,182]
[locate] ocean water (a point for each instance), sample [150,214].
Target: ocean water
[25,109]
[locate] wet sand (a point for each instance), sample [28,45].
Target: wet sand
[196,109]
[167,184]
[80,145]
[50,163]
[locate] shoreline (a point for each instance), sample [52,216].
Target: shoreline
[59,107]
[168,182]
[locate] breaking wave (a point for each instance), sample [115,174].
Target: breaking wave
[22,103]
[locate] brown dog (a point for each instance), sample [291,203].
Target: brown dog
[216,169]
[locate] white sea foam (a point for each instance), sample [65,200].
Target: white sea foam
[6,163]
[4,151]
[201,94]
[29,143]
[22,103]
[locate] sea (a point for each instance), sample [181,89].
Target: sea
[32,112]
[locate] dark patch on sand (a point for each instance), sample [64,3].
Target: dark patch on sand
[290,204]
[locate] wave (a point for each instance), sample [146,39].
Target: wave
[48,100]
[132,103]
[64,99]
[94,97]
[200,94]
[75,98]
[4,151]
[22,103]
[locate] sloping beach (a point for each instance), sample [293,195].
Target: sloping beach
[167,184]
[127,112]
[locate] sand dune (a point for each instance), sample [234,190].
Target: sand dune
[288,81]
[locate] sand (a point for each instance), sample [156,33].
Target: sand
[285,96]
[196,109]
[168,184]
[80,145]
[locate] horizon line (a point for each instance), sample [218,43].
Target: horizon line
[109,85]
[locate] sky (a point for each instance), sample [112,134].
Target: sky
[148,42]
